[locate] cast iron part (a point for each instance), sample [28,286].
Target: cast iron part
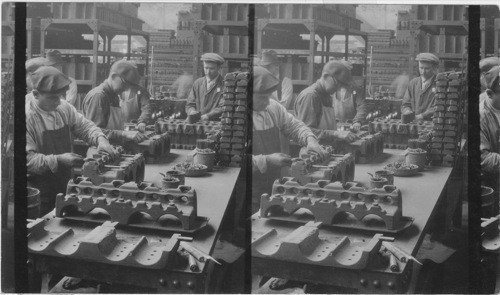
[183,135]
[397,134]
[364,149]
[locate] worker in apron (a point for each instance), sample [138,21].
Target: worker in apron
[54,59]
[485,65]
[206,95]
[50,124]
[420,95]
[102,104]
[269,119]
[134,103]
[314,105]
[284,92]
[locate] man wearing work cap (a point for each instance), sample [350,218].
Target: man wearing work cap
[269,119]
[102,104]
[55,59]
[484,66]
[31,66]
[489,114]
[419,96]
[206,95]
[314,105]
[50,123]
[349,103]
[284,92]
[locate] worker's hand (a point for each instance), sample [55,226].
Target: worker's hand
[278,160]
[134,136]
[419,117]
[345,135]
[314,147]
[70,160]
[356,127]
[141,127]
[204,117]
[107,148]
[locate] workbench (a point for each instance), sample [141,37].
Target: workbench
[214,192]
[421,195]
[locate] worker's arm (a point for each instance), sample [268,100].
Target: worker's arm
[216,112]
[259,163]
[290,126]
[427,115]
[286,91]
[145,107]
[309,111]
[191,100]
[71,94]
[97,111]
[406,103]
[490,161]
[80,126]
[36,162]
[361,109]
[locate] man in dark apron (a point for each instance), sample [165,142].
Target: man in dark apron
[102,104]
[314,106]
[206,95]
[420,95]
[269,119]
[134,103]
[50,124]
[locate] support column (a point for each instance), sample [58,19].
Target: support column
[312,50]
[346,54]
[129,42]
[95,60]
[146,70]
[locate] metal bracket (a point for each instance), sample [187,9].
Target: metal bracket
[45,23]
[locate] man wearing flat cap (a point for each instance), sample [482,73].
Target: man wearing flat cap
[484,66]
[270,119]
[102,104]
[489,114]
[55,60]
[31,66]
[206,95]
[419,97]
[314,105]
[50,123]
[284,92]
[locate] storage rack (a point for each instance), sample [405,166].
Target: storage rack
[442,30]
[89,61]
[223,29]
[490,28]
[8,30]
[293,20]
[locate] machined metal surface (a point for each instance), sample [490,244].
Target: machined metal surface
[155,147]
[364,149]
[183,135]
[126,203]
[396,134]
[334,204]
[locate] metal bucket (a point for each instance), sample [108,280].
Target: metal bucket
[33,203]
[487,202]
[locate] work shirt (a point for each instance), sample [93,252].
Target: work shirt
[97,105]
[483,96]
[284,94]
[489,120]
[349,105]
[38,121]
[72,94]
[136,106]
[275,115]
[309,109]
[207,101]
[419,97]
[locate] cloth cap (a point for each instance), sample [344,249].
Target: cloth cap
[264,81]
[212,57]
[339,70]
[487,63]
[427,57]
[54,57]
[33,64]
[49,79]
[492,77]
[346,63]
[127,70]
[269,57]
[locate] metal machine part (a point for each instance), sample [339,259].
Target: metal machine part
[364,149]
[183,135]
[156,146]
[336,204]
[127,203]
[397,134]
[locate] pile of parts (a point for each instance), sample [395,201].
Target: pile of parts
[234,119]
[451,96]
[365,149]
[101,168]
[127,202]
[310,168]
[333,203]
[155,147]
[397,134]
[183,135]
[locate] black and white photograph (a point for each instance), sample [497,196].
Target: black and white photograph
[275,148]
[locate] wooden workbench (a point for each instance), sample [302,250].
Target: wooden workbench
[421,195]
[214,192]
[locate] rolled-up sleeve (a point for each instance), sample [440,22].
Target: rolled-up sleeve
[292,127]
[82,127]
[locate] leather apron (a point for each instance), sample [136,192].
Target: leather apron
[54,142]
[129,103]
[116,120]
[265,142]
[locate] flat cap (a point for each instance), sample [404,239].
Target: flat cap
[127,70]
[263,81]
[269,57]
[339,70]
[54,57]
[492,77]
[212,57]
[33,64]
[487,63]
[427,57]
[49,79]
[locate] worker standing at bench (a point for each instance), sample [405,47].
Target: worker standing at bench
[206,95]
